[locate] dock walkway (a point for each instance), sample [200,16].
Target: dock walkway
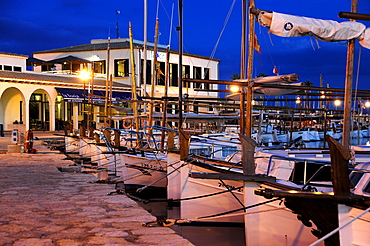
[41,206]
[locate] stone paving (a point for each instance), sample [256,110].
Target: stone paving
[41,206]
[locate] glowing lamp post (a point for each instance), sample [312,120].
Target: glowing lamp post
[234,89]
[84,75]
[298,101]
[337,103]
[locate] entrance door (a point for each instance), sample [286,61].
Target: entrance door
[39,112]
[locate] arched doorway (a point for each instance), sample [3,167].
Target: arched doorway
[11,113]
[39,111]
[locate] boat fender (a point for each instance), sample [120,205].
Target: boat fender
[165,223]
[127,124]
[310,123]
[28,144]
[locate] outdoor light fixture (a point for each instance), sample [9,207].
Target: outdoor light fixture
[95,58]
[234,88]
[59,98]
[337,102]
[298,100]
[84,75]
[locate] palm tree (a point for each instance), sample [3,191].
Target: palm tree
[308,83]
[235,76]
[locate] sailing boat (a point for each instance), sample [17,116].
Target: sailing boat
[235,186]
[342,216]
[261,228]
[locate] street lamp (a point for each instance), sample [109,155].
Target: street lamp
[298,100]
[337,103]
[84,75]
[234,88]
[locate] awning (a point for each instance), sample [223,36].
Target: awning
[78,95]
[71,59]
[36,61]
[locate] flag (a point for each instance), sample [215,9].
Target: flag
[275,70]
[257,46]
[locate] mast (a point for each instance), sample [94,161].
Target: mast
[348,86]
[133,79]
[107,85]
[154,76]
[242,67]
[180,28]
[167,81]
[117,28]
[145,48]
[249,123]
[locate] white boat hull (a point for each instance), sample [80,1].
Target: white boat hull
[259,229]
[142,171]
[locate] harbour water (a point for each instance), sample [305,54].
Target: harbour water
[211,233]
[198,233]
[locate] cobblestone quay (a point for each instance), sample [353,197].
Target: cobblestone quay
[41,206]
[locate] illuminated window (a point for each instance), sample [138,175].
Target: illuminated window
[121,68]
[174,75]
[99,67]
[206,76]
[197,74]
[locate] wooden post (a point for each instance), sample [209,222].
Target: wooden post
[340,156]
[164,109]
[133,78]
[248,120]
[117,136]
[348,86]
[171,140]
[248,146]
[184,145]
[154,75]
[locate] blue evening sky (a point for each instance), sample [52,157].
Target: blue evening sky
[29,26]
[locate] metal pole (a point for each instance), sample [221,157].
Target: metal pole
[107,85]
[117,29]
[180,29]
[145,49]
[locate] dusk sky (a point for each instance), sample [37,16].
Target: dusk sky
[30,26]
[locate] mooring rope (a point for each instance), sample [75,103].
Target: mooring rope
[170,222]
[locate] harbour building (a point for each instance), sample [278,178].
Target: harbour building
[47,89]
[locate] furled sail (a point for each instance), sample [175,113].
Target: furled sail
[270,80]
[326,30]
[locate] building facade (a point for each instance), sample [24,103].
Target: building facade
[46,90]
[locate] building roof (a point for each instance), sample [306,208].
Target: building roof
[52,79]
[72,59]
[12,54]
[115,44]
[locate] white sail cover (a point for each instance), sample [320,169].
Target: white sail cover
[326,30]
[270,80]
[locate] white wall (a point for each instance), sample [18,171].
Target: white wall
[13,60]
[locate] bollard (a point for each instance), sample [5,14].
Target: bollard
[15,136]
[1,130]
